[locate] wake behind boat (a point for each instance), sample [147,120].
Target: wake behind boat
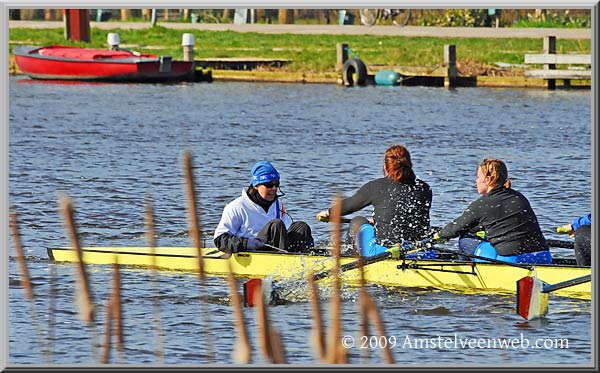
[446,273]
[56,62]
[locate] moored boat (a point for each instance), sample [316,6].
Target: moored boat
[56,62]
[446,274]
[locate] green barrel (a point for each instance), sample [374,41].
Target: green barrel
[387,77]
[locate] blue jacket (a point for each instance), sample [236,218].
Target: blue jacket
[582,220]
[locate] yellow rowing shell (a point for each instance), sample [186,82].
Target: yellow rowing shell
[457,276]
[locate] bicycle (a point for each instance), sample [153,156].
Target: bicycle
[399,17]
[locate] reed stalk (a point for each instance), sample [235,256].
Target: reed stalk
[52,310]
[26,283]
[373,314]
[364,319]
[272,347]
[117,310]
[108,330]
[242,352]
[317,332]
[83,294]
[197,241]
[262,323]
[335,351]
[158,333]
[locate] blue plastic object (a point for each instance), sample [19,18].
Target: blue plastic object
[386,77]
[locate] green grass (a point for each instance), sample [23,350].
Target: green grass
[309,53]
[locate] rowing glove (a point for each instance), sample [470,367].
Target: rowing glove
[255,243]
[394,251]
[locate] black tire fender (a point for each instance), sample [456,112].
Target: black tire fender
[354,66]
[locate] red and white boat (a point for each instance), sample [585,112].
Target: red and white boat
[72,63]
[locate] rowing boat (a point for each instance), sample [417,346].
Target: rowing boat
[445,274]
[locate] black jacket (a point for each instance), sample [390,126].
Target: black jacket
[507,219]
[401,210]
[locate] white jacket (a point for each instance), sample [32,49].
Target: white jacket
[244,218]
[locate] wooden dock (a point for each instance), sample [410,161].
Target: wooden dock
[245,63]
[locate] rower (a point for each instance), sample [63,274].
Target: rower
[581,230]
[257,220]
[511,232]
[401,204]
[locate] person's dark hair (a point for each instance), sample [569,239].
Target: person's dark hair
[251,190]
[398,164]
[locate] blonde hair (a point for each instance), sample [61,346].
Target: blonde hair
[496,170]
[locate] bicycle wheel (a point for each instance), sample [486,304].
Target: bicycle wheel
[400,17]
[368,17]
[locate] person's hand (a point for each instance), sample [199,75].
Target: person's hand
[255,243]
[438,239]
[567,228]
[394,251]
[323,216]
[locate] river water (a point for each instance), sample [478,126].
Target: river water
[108,146]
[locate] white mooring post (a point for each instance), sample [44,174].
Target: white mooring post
[113,41]
[187,41]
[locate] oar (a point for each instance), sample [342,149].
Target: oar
[561,243]
[532,294]
[251,285]
[327,220]
[472,256]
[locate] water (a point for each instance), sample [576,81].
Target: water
[108,146]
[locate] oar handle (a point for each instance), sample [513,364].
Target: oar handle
[327,220]
[561,243]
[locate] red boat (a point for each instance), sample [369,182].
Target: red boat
[71,63]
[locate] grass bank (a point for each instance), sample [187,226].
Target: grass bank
[316,54]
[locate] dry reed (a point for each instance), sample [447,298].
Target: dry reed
[242,352]
[157,326]
[26,283]
[83,295]
[117,311]
[317,335]
[270,341]
[194,229]
[108,330]
[336,354]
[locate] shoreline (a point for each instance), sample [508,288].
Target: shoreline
[258,76]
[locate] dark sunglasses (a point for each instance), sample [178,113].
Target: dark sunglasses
[271,184]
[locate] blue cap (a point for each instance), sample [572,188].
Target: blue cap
[263,172]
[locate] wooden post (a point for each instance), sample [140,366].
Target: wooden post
[286,16]
[125,14]
[78,24]
[66,24]
[450,64]
[550,48]
[146,14]
[342,56]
